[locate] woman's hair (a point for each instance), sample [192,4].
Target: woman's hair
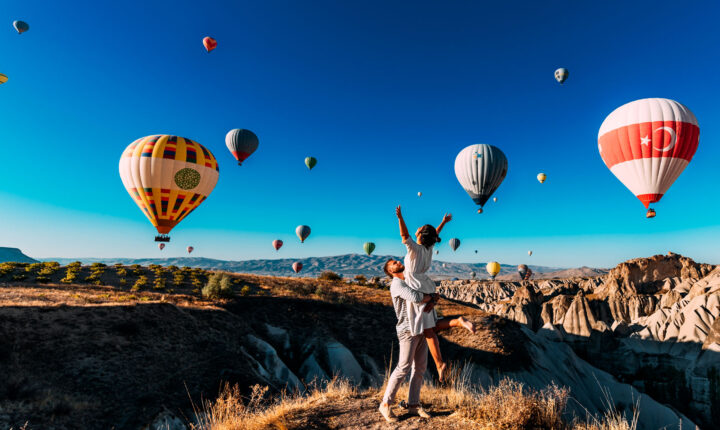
[427,236]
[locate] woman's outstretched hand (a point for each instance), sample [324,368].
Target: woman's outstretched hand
[446,218]
[398,212]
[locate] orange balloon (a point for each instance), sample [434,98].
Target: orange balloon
[209,43]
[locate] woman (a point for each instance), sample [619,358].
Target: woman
[422,316]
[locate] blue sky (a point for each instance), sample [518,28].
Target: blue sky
[383,93]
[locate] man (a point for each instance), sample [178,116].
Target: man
[413,349]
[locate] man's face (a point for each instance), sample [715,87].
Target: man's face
[395,266]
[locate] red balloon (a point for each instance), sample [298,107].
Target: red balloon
[161,246]
[297,266]
[209,43]
[190,249]
[277,244]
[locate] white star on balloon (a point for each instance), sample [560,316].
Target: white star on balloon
[645,140]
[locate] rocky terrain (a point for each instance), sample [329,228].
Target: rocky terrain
[348,265]
[129,346]
[649,322]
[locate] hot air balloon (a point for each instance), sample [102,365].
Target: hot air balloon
[650,213]
[21,26]
[241,143]
[277,244]
[472,275]
[209,43]
[494,199]
[3,78]
[310,162]
[529,253]
[302,232]
[522,271]
[493,268]
[480,211]
[297,266]
[369,247]
[419,194]
[476,251]
[529,274]
[168,177]
[190,249]
[480,169]
[437,252]
[561,74]
[647,143]
[161,246]
[541,177]
[454,243]
[444,265]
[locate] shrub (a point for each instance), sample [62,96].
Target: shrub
[245,290]
[98,266]
[42,279]
[218,287]
[139,283]
[74,265]
[34,267]
[178,278]
[121,271]
[329,276]
[19,277]
[122,281]
[360,279]
[159,283]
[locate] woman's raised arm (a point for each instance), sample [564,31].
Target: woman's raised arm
[446,219]
[403,228]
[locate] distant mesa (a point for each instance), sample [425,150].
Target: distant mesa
[14,255]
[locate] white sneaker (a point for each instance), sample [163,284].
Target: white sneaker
[387,413]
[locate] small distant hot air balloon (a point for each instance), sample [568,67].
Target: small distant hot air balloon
[297,266]
[241,143]
[522,271]
[21,26]
[161,246]
[3,78]
[437,252]
[369,247]
[444,266]
[168,177]
[189,249]
[209,43]
[473,274]
[479,210]
[561,74]
[529,253]
[480,169]
[541,177]
[419,194]
[647,144]
[493,268]
[277,244]
[454,243]
[310,162]
[476,251]
[650,213]
[302,232]
[495,199]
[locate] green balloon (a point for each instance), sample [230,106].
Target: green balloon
[310,162]
[369,247]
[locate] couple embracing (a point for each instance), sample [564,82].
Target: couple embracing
[414,298]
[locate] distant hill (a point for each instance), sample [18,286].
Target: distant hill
[348,265]
[14,255]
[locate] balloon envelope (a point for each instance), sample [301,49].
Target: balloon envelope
[277,244]
[522,271]
[302,232]
[3,78]
[454,243]
[168,177]
[241,143]
[310,162]
[493,268]
[529,253]
[561,74]
[209,43]
[495,199]
[297,266]
[419,194]
[190,249]
[472,274]
[369,247]
[21,26]
[647,144]
[541,177]
[480,169]
[161,246]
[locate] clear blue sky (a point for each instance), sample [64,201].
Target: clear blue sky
[383,93]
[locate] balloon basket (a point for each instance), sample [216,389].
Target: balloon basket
[162,238]
[650,213]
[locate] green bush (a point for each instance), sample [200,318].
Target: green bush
[19,277]
[245,290]
[42,279]
[122,281]
[142,281]
[34,267]
[329,276]
[217,287]
[121,271]
[98,266]
[159,283]
[74,265]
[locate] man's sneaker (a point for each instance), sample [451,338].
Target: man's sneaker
[419,411]
[387,413]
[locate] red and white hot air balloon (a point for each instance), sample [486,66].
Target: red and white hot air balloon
[297,266]
[161,246]
[277,244]
[647,143]
[190,249]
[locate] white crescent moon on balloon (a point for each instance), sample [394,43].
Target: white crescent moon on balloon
[673,139]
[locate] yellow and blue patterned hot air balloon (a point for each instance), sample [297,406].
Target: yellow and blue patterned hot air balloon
[168,177]
[3,78]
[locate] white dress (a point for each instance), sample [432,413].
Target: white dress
[417,263]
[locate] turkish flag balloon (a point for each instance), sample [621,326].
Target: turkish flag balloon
[647,143]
